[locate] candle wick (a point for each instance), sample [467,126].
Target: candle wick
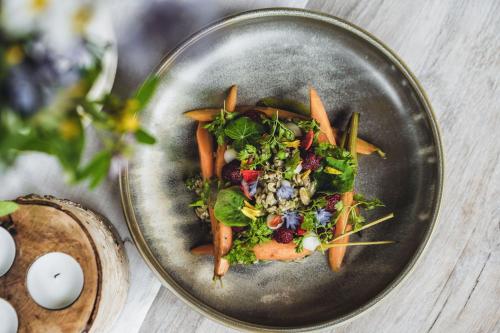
[55,276]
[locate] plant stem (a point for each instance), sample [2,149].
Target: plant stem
[328,246]
[366,226]
[353,136]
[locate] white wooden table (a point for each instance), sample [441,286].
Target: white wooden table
[453,47]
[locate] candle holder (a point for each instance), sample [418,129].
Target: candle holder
[73,238]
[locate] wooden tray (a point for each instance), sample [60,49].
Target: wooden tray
[47,224]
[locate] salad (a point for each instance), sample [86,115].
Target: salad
[278,184]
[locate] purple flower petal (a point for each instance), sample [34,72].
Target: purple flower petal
[323,216]
[252,188]
[291,220]
[285,191]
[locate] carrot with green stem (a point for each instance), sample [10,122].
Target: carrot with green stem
[222,234]
[336,254]
[229,106]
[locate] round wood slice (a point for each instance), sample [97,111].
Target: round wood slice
[47,224]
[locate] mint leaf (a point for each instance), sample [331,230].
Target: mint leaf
[7,207]
[228,206]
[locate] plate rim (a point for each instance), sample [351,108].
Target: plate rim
[218,316]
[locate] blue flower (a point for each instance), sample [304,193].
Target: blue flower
[252,188]
[285,191]
[292,220]
[323,216]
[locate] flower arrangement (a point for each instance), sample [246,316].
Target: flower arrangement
[48,64]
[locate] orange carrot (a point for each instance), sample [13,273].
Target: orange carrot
[206,151]
[207,249]
[231,98]
[319,114]
[270,250]
[223,238]
[219,160]
[362,147]
[210,114]
[336,254]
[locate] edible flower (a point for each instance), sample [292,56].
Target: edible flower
[292,144]
[285,191]
[323,216]
[250,211]
[332,171]
[292,220]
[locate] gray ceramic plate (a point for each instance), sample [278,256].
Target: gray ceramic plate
[280,52]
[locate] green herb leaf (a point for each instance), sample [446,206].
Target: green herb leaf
[144,137]
[217,126]
[242,250]
[291,164]
[7,207]
[243,130]
[341,160]
[367,204]
[228,206]
[146,91]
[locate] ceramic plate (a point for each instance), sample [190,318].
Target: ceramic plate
[280,52]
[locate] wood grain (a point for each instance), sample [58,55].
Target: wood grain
[42,229]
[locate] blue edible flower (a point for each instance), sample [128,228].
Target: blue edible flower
[292,220]
[323,216]
[285,191]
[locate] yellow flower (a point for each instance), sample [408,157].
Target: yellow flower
[39,5]
[250,211]
[305,174]
[69,129]
[14,55]
[128,122]
[81,18]
[332,171]
[292,144]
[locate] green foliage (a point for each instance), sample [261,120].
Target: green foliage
[7,207]
[242,250]
[341,160]
[243,131]
[228,206]
[218,125]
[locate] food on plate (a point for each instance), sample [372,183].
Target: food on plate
[277,184]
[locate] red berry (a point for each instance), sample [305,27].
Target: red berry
[231,172]
[283,235]
[331,201]
[299,230]
[307,141]
[311,161]
[250,175]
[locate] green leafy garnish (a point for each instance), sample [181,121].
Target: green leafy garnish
[341,160]
[7,207]
[217,126]
[367,204]
[242,249]
[228,206]
[291,164]
[243,130]
[251,157]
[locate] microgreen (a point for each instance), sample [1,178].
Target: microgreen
[217,126]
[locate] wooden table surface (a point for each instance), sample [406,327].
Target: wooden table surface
[453,47]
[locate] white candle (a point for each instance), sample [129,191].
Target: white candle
[8,316]
[7,251]
[55,280]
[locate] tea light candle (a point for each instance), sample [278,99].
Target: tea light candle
[55,280]
[8,317]
[7,251]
